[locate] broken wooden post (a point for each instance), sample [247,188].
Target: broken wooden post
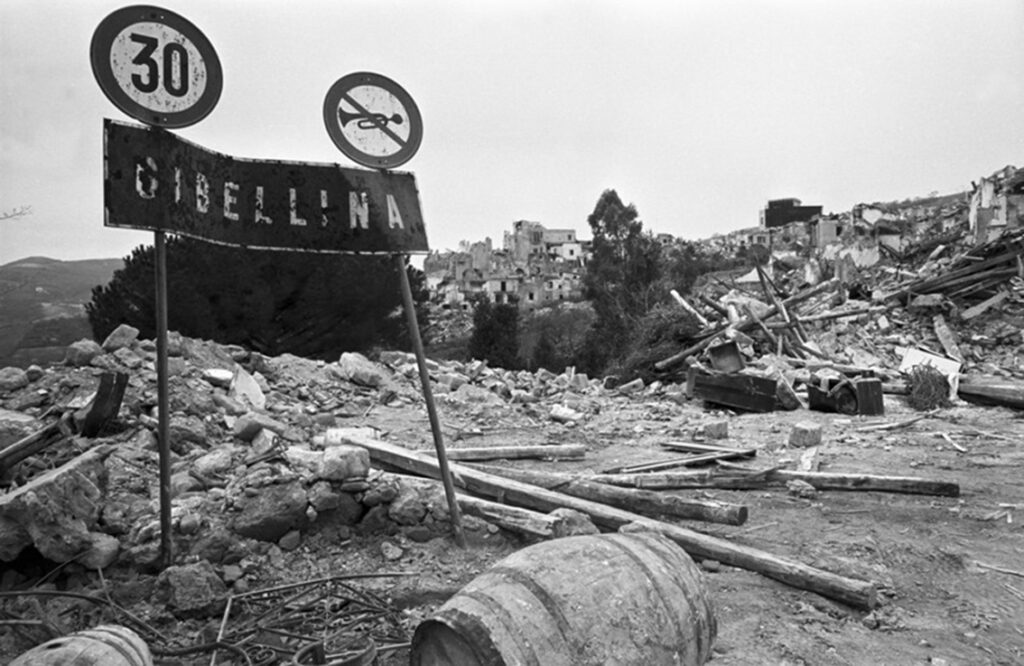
[856,593]
[689,308]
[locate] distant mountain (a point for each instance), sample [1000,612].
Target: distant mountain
[42,306]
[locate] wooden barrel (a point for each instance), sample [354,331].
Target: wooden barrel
[105,645]
[604,599]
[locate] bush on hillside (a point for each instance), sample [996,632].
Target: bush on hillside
[313,305]
[662,332]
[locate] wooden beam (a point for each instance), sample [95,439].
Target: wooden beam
[572,451]
[736,478]
[644,502]
[857,593]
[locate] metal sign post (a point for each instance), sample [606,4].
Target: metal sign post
[376,123]
[428,397]
[158,67]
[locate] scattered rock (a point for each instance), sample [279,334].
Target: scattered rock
[82,353]
[55,511]
[250,424]
[358,369]
[12,379]
[290,541]
[563,414]
[407,509]
[799,488]
[272,512]
[218,377]
[102,553]
[805,434]
[712,566]
[191,590]
[121,337]
[390,551]
[344,462]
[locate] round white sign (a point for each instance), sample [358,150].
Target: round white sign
[156,66]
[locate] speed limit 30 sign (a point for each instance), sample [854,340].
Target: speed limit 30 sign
[156,66]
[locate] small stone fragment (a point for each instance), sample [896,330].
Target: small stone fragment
[805,434]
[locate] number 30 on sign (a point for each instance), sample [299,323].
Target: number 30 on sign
[156,66]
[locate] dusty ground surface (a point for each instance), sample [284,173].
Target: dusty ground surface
[934,558]
[940,600]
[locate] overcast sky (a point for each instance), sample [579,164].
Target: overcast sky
[696,112]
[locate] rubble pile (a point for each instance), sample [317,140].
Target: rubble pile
[963,303]
[252,471]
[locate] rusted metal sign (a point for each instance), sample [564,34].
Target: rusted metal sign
[156,66]
[156,180]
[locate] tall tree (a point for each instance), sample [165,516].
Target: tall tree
[495,336]
[621,279]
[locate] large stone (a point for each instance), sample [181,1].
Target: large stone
[218,377]
[13,538]
[272,512]
[407,509]
[344,462]
[215,462]
[805,434]
[218,546]
[184,429]
[122,336]
[191,590]
[249,425]
[358,369]
[55,511]
[12,379]
[323,497]
[82,353]
[102,553]
[247,391]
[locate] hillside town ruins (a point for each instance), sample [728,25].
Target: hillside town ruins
[837,451]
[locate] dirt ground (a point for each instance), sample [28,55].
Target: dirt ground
[942,601]
[935,559]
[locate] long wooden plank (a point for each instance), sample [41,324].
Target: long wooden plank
[677,462]
[562,451]
[644,502]
[735,479]
[856,593]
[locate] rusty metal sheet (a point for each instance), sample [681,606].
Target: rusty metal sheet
[156,180]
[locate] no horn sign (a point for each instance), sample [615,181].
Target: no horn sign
[158,181]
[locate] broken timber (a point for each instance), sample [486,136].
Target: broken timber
[856,593]
[641,501]
[992,391]
[563,451]
[748,479]
[744,325]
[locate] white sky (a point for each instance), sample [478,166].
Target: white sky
[696,112]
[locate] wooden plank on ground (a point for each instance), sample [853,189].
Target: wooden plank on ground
[644,502]
[856,593]
[562,451]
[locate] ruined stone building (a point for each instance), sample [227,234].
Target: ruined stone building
[535,266]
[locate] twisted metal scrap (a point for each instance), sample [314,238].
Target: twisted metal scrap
[329,618]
